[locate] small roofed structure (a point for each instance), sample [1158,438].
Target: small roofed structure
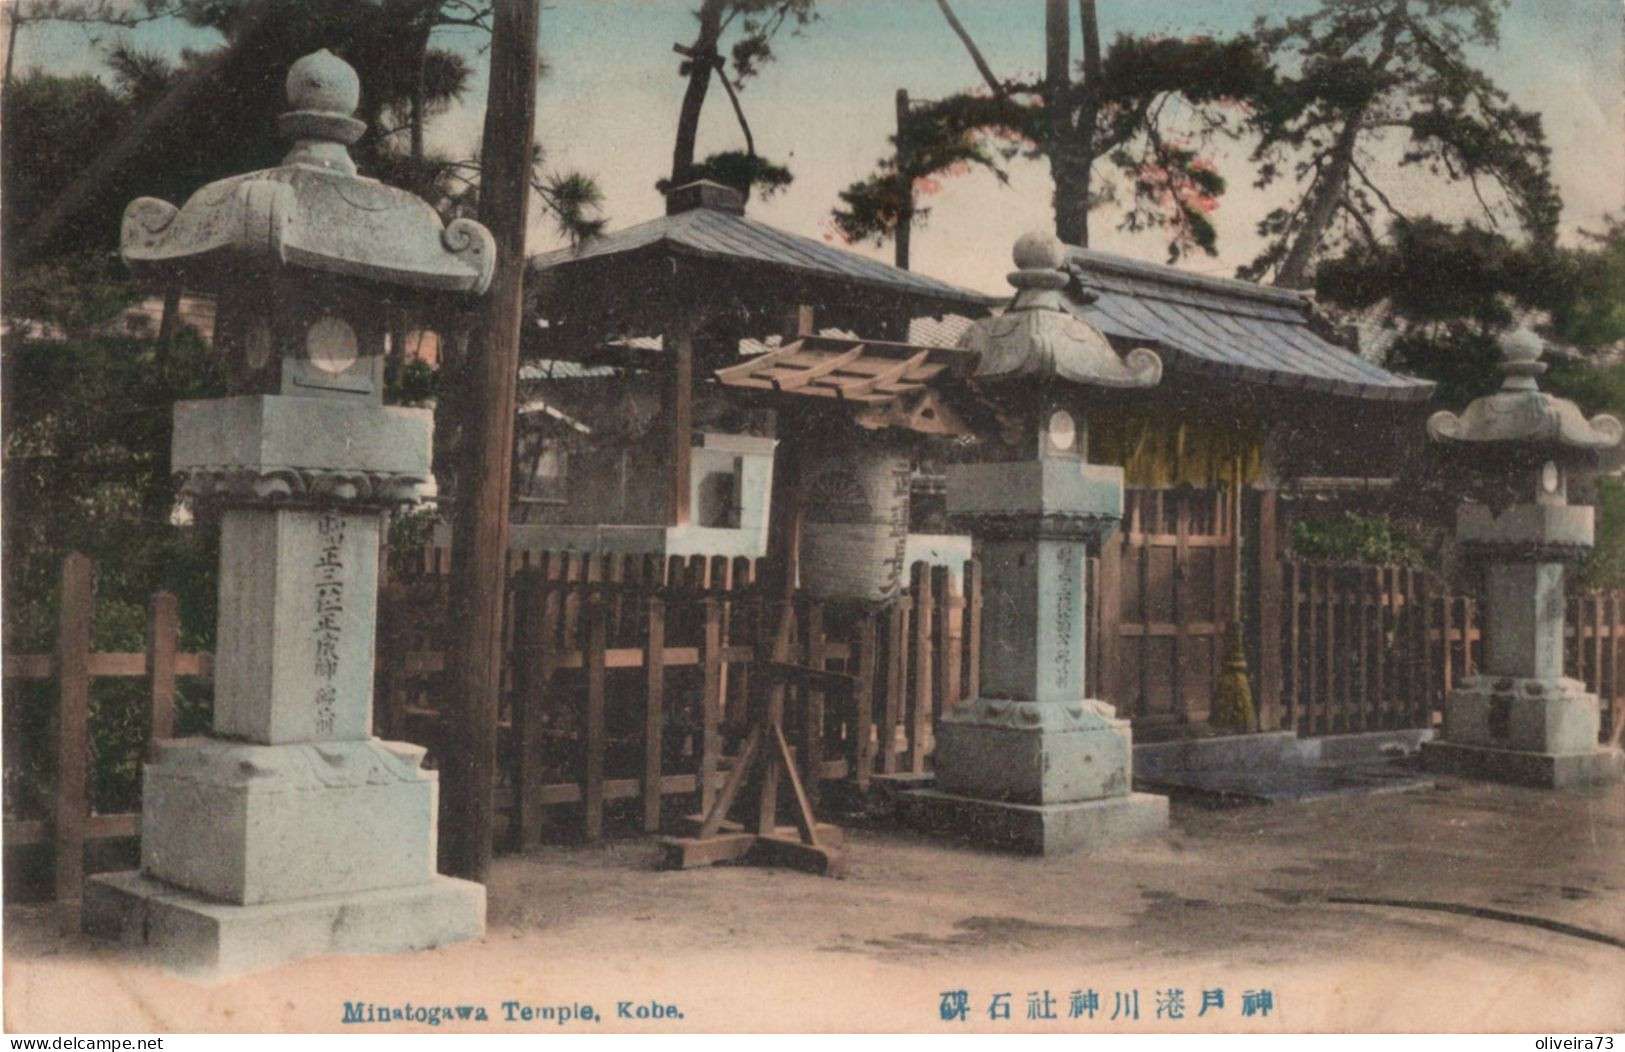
[724,261]
[698,281]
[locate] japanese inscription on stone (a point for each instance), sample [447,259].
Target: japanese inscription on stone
[1067,587]
[329,598]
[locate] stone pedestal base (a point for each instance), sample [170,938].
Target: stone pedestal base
[252,855]
[1037,829]
[1032,752]
[1542,770]
[248,823]
[1526,714]
[1036,777]
[1539,731]
[201,938]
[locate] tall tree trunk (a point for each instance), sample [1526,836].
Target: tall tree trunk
[701,62]
[1333,179]
[905,188]
[12,22]
[1070,145]
[480,537]
[1328,191]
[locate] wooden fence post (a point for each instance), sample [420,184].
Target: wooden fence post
[710,703]
[1267,621]
[949,638]
[973,629]
[597,643]
[1109,602]
[923,609]
[864,659]
[812,701]
[163,640]
[72,809]
[654,715]
[530,674]
[896,673]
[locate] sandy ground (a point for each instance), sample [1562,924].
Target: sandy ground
[1232,900]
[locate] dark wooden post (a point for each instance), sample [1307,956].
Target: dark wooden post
[1270,575]
[710,701]
[595,740]
[679,411]
[163,639]
[654,724]
[920,728]
[481,533]
[72,730]
[905,188]
[1108,653]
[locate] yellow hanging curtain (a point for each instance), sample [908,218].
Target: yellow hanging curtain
[1157,452]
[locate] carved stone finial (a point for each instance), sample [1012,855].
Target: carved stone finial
[323,91]
[324,82]
[1040,257]
[1520,359]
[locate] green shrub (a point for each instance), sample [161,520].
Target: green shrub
[1355,538]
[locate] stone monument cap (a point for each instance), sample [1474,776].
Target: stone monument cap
[1522,416]
[312,212]
[1038,336]
[323,92]
[323,81]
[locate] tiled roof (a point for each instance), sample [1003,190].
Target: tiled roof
[713,234]
[1226,328]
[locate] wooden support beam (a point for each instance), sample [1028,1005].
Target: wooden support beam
[730,788]
[692,852]
[805,821]
[890,375]
[803,377]
[760,361]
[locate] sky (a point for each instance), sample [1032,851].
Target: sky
[608,107]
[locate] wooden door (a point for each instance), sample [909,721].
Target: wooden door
[1173,576]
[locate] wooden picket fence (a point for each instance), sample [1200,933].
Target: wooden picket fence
[626,679]
[1379,647]
[73,665]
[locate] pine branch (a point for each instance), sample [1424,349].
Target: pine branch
[975,52]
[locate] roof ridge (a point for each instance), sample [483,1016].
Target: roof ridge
[1086,259]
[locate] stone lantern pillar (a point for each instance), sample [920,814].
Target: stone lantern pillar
[1031,764]
[1520,720]
[291,830]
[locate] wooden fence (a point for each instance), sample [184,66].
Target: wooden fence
[1379,647]
[1371,647]
[626,679]
[73,665]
